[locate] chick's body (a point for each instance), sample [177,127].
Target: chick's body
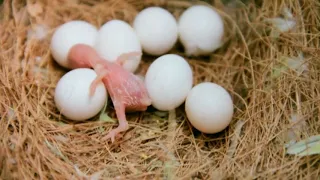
[125,87]
[126,90]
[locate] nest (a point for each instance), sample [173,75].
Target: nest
[275,102]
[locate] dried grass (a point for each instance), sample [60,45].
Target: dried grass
[38,143]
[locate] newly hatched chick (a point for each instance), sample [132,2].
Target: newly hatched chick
[126,90]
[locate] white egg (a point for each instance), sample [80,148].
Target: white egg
[115,38]
[68,35]
[201,30]
[209,107]
[157,29]
[168,80]
[72,95]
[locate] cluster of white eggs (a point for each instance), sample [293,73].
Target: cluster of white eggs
[169,79]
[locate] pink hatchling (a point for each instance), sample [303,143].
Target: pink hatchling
[126,90]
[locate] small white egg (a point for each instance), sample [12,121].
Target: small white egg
[68,35]
[115,38]
[157,29]
[201,30]
[168,80]
[72,95]
[209,107]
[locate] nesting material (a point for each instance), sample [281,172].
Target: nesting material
[38,143]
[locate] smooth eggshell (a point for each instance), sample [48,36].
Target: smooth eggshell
[157,30]
[201,30]
[168,80]
[69,34]
[209,107]
[72,95]
[115,38]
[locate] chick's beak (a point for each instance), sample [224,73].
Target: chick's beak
[146,101]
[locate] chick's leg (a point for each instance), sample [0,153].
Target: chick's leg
[101,73]
[123,123]
[125,56]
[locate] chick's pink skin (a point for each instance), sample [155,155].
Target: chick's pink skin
[126,90]
[81,57]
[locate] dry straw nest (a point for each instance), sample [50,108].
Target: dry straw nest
[38,143]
